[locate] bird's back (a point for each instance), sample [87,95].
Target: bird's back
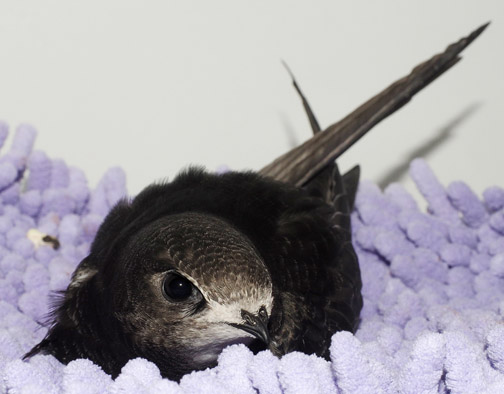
[320,290]
[328,298]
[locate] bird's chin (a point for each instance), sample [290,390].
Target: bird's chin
[208,354]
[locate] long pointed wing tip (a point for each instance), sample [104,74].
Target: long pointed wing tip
[463,43]
[480,29]
[471,37]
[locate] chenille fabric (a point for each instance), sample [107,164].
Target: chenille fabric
[433,287]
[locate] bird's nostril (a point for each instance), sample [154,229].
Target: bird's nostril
[248,318]
[263,314]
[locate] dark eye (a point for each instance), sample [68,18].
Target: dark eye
[177,287]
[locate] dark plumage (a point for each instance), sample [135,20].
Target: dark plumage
[191,266]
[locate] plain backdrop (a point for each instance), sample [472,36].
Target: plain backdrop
[153,86]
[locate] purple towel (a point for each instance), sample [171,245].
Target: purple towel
[433,291]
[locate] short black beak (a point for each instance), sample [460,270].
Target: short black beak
[256,325]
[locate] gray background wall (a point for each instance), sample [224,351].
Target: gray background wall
[153,86]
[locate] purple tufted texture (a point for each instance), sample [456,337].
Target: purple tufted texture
[433,288]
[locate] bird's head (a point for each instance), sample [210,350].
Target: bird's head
[173,276]
[189,284]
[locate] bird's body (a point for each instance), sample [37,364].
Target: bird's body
[191,266]
[244,241]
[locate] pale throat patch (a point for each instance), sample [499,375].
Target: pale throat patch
[222,336]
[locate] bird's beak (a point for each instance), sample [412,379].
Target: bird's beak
[256,325]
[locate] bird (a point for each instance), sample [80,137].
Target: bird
[191,266]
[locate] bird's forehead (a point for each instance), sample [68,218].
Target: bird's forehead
[220,260]
[232,312]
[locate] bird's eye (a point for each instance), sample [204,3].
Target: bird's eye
[176,287]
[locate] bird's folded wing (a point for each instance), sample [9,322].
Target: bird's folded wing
[301,163]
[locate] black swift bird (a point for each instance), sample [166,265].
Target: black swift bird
[191,266]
